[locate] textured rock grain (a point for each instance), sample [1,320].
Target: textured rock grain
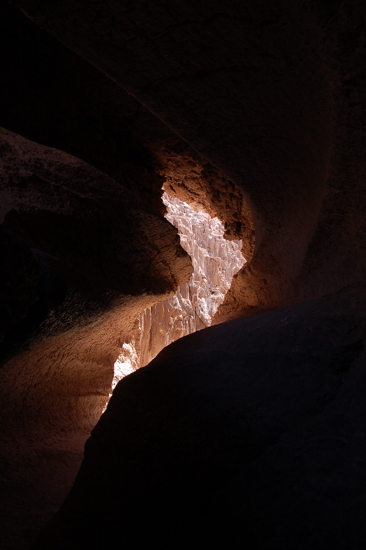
[245,84]
[272,95]
[215,261]
[251,430]
[255,429]
[86,235]
[73,240]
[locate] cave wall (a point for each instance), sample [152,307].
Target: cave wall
[254,75]
[81,236]
[268,83]
[72,240]
[248,434]
[56,98]
[255,112]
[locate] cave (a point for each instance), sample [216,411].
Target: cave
[251,431]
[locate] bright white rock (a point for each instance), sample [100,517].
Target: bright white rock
[215,261]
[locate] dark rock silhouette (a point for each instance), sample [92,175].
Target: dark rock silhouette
[253,429]
[241,435]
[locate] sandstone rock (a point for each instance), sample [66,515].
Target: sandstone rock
[250,431]
[80,224]
[270,94]
[240,84]
[215,261]
[56,98]
[72,241]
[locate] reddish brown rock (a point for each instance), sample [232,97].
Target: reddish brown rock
[92,230]
[272,95]
[254,429]
[250,431]
[240,83]
[76,239]
[73,240]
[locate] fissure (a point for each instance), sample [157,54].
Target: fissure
[215,262]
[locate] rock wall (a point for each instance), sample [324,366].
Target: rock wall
[272,95]
[54,97]
[250,87]
[72,239]
[255,429]
[249,431]
[80,236]
[215,261]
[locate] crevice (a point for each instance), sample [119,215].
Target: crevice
[215,261]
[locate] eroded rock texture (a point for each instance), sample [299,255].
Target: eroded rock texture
[215,261]
[246,85]
[255,112]
[250,433]
[72,240]
[79,234]
[269,93]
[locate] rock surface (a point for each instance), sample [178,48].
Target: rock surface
[79,236]
[245,84]
[215,261]
[250,431]
[255,112]
[56,98]
[273,95]
[72,240]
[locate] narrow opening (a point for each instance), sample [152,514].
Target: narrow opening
[215,261]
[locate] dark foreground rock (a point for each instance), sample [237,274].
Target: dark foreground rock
[249,434]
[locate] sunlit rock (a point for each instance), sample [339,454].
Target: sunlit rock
[127,362]
[215,262]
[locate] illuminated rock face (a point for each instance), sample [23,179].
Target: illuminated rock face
[215,261]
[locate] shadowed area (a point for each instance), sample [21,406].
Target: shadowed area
[260,94]
[74,238]
[252,430]
[248,431]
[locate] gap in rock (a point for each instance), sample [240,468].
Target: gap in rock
[215,261]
